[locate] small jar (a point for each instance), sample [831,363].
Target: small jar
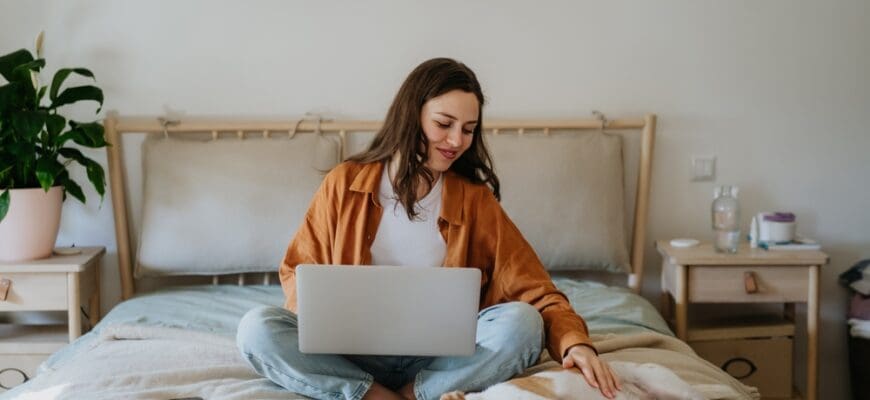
[780,227]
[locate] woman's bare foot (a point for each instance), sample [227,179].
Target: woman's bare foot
[379,392]
[407,391]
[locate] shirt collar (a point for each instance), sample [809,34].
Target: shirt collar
[452,198]
[369,177]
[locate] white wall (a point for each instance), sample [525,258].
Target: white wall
[778,90]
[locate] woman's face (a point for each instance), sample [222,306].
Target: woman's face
[448,122]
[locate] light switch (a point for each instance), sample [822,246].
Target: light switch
[703,168]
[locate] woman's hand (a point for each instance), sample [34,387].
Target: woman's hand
[597,373]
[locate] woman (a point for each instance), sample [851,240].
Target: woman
[427,177]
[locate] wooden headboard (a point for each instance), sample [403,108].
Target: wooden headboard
[116,127]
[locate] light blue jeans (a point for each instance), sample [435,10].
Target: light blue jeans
[509,339]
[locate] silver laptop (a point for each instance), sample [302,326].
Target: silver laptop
[383,310]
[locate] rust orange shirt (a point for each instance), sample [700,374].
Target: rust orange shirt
[343,218]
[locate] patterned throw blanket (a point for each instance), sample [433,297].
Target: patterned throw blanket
[650,366]
[139,362]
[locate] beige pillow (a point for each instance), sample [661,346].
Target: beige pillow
[228,205]
[566,195]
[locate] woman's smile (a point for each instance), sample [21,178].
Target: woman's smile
[448,154]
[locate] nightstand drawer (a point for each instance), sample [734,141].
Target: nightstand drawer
[17,368]
[35,291]
[727,284]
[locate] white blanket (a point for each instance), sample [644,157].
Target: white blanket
[859,327]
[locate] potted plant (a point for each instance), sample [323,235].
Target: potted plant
[35,152]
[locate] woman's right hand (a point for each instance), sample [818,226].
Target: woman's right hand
[595,370]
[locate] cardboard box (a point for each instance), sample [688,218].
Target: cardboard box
[765,363]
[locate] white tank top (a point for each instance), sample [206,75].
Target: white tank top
[402,242]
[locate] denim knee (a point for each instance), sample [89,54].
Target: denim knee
[509,340]
[255,328]
[524,325]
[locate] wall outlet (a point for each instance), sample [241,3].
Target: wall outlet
[703,168]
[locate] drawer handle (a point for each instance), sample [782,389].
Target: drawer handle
[736,361]
[749,282]
[23,375]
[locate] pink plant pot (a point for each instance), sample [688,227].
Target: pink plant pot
[30,228]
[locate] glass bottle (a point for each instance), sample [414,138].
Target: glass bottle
[726,217]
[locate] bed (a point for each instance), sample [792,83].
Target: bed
[193,258]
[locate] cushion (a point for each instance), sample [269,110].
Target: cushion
[566,195]
[263,188]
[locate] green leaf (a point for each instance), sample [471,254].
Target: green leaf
[89,134]
[4,204]
[6,177]
[47,170]
[95,171]
[61,76]
[97,176]
[75,135]
[79,93]
[33,65]
[4,172]
[23,175]
[9,61]
[22,150]
[21,73]
[95,132]
[54,124]
[69,186]
[28,124]
[7,174]
[40,95]
[11,96]
[73,154]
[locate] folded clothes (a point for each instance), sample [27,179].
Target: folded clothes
[855,273]
[859,328]
[859,307]
[862,286]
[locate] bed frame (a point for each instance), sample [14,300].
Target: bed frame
[116,127]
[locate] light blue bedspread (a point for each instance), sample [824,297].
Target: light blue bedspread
[218,309]
[609,309]
[208,308]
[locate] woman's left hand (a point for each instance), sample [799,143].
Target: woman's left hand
[596,371]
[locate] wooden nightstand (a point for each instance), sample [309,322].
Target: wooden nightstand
[701,275]
[56,283]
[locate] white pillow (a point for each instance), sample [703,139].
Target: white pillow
[228,205]
[566,195]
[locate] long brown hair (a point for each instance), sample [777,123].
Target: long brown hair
[402,131]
